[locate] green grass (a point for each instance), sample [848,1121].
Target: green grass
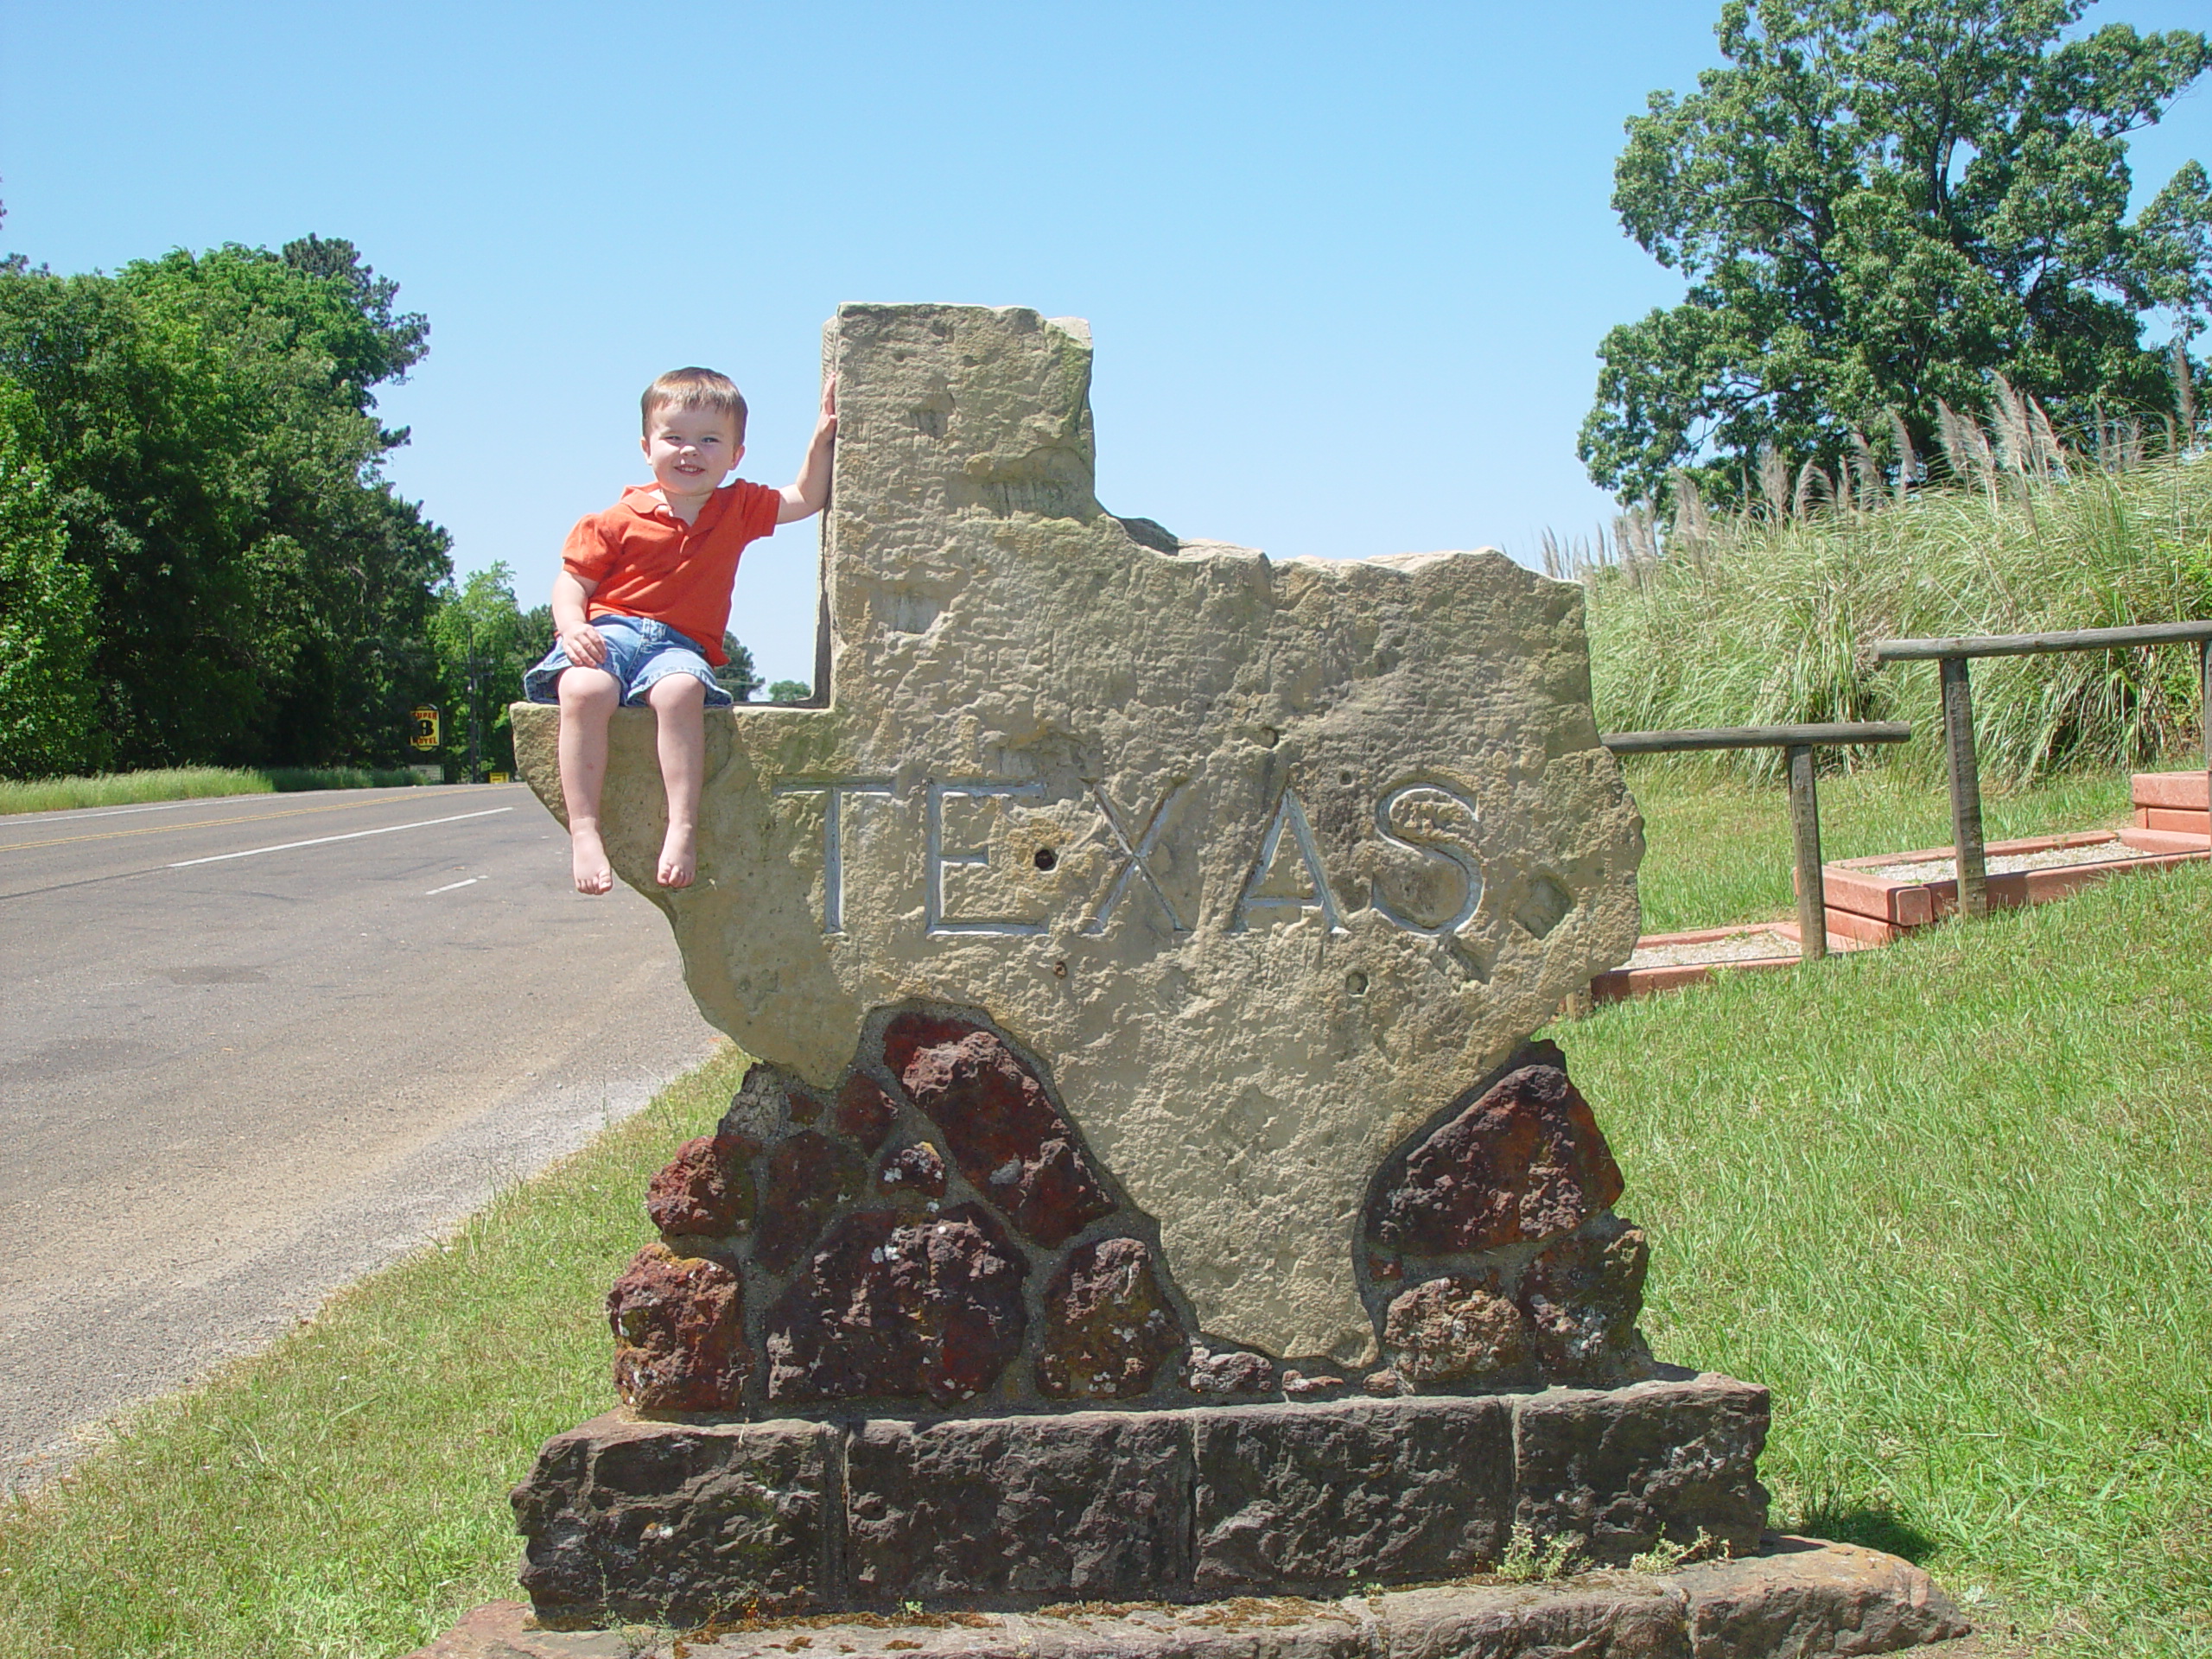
[1952,1200]
[1719,848]
[344,1493]
[185,783]
[1760,623]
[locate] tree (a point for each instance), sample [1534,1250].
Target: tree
[203,423]
[789,691]
[737,675]
[49,721]
[1876,205]
[480,618]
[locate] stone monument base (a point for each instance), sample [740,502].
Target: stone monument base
[1797,1599]
[683,1522]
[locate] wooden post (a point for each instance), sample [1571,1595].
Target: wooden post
[2204,710]
[1969,863]
[1805,831]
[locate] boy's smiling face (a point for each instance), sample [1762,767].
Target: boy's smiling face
[691,450]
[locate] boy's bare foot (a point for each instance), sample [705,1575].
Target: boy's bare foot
[588,862]
[679,856]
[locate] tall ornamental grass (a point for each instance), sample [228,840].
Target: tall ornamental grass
[1772,618]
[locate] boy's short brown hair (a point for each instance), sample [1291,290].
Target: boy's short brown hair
[695,389]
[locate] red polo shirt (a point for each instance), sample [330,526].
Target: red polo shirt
[648,562]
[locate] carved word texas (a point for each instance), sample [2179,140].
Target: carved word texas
[1429,819]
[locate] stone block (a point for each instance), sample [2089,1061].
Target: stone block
[679,1334]
[1623,1468]
[1808,1596]
[677,1524]
[1454,1328]
[1108,1326]
[1298,1497]
[706,1188]
[1628,1619]
[1016,1511]
[1004,1133]
[1582,1295]
[1525,1162]
[897,1307]
[808,1175]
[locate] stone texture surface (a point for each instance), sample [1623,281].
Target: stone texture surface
[865,1110]
[1210,1500]
[1108,1326]
[1298,846]
[1294,1498]
[1455,1329]
[676,1524]
[1804,1596]
[1005,1136]
[1799,1599]
[1623,1468]
[1526,1162]
[1582,1295]
[916,1169]
[1619,1618]
[707,1188]
[1019,1510]
[679,1334]
[1232,1372]
[890,1306]
[808,1177]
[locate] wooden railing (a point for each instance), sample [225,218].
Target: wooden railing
[1952,656]
[1804,801]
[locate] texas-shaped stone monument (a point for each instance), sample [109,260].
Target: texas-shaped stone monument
[1140,939]
[1264,862]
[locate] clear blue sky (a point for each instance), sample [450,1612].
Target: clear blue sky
[1346,267]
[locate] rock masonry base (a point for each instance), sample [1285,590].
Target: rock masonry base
[682,1522]
[1797,1599]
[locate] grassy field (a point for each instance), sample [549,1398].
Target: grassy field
[1719,850]
[185,783]
[1952,1200]
[1763,620]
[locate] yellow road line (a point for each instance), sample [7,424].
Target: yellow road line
[197,824]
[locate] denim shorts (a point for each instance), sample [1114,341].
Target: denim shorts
[640,653]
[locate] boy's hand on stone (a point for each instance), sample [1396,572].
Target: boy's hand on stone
[585,645]
[828,421]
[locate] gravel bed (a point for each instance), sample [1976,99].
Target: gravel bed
[1939,869]
[1762,946]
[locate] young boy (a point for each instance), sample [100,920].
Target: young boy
[643,597]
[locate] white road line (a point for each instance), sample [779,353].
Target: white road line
[157,806]
[450,886]
[320,841]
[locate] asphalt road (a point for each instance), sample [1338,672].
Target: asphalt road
[251,1048]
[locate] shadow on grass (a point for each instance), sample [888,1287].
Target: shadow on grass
[1872,1525]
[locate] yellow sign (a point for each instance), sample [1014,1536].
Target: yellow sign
[425,716]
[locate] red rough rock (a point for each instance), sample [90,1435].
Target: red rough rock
[706,1188]
[1454,1329]
[1582,1297]
[679,1334]
[915,1169]
[1004,1133]
[910,1034]
[808,1176]
[1232,1372]
[898,1308]
[1527,1161]
[866,1111]
[1108,1326]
